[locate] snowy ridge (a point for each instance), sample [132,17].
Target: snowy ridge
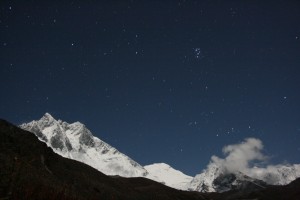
[165,174]
[278,174]
[203,182]
[216,179]
[76,142]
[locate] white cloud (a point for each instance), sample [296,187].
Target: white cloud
[240,155]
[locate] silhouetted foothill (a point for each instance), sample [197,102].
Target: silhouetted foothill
[31,170]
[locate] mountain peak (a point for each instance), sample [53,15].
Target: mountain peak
[164,173]
[48,116]
[76,142]
[47,119]
[160,165]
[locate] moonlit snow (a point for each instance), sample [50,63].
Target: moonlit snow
[237,160]
[76,142]
[164,173]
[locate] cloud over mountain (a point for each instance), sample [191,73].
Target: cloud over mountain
[239,156]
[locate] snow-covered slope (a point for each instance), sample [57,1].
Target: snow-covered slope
[164,173]
[76,142]
[215,179]
[203,182]
[277,174]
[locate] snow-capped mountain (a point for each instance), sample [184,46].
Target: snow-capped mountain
[237,181]
[165,174]
[215,179]
[203,182]
[277,174]
[76,142]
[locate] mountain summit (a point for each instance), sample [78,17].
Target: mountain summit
[76,142]
[216,179]
[30,170]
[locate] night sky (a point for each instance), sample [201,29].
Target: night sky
[162,81]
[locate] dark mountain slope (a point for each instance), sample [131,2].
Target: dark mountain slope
[287,192]
[31,170]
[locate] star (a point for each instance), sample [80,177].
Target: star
[198,53]
[173,76]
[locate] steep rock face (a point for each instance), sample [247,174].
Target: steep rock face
[203,182]
[237,181]
[76,142]
[165,174]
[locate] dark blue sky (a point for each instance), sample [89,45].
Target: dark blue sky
[162,81]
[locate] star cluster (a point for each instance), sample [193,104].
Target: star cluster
[162,81]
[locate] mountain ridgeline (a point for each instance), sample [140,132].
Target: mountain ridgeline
[76,142]
[35,168]
[31,170]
